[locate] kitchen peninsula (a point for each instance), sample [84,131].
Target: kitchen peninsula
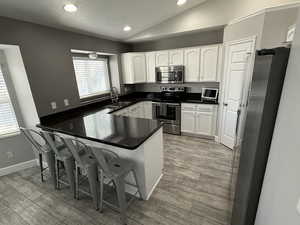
[136,139]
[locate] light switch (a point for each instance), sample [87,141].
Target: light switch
[298,206]
[66,101]
[53,105]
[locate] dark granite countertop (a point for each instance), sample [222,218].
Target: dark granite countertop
[94,122]
[120,131]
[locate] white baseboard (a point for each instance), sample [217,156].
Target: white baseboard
[17,167]
[154,186]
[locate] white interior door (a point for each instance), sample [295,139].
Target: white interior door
[238,70]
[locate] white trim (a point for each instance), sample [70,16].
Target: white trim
[153,187]
[17,167]
[265,10]
[11,134]
[217,139]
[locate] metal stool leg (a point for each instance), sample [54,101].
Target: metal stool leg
[69,167]
[41,166]
[137,183]
[120,188]
[57,174]
[101,180]
[92,177]
[76,182]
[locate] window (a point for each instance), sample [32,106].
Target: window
[91,76]
[8,121]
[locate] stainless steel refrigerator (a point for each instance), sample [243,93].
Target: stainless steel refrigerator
[268,78]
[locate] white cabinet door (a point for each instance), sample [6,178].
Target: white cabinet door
[191,63]
[188,121]
[209,63]
[204,123]
[150,63]
[162,58]
[139,67]
[176,57]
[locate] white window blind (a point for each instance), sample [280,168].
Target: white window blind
[8,121]
[91,76]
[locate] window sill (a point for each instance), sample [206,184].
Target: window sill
[16,133]
[93,99]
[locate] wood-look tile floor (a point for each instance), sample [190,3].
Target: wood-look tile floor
[193,191]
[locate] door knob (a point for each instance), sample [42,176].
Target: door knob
[225,104]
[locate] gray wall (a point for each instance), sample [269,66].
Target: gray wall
[182,41]
[281,188]
[48,62]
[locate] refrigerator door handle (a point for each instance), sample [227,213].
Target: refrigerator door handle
[237,122]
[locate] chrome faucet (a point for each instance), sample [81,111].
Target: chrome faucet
[114,95]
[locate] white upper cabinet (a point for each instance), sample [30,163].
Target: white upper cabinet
[139,67]
[209,63]
[176,57]
[201,64]
[162,58]
[192,64]
[150,63]
[134,68]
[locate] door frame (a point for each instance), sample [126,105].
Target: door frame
[246,84]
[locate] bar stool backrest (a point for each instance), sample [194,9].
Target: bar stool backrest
[53,140]
[104,157]
[77,149]
[35,138]
[98,154]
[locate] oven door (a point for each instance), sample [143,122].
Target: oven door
[167,112]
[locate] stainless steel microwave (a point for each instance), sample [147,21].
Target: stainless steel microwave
[170,74]
[210,94]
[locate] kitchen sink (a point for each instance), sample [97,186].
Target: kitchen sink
[118,105]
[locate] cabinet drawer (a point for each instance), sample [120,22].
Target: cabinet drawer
[188,107]
[204,108]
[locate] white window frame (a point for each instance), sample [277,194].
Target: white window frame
[96,94]
[7,99]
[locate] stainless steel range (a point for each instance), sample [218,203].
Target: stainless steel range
[167,108]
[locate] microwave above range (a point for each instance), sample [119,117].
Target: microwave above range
[169,74]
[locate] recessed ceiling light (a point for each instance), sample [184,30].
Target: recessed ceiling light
[181,2]
[70,8]
[127,28]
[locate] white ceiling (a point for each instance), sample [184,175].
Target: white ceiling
[96,17]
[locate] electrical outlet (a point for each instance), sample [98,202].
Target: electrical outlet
[53,105]
[66,101]
[10,155]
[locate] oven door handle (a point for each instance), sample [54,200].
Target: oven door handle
[161,103]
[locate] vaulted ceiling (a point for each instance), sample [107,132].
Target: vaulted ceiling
[103,18]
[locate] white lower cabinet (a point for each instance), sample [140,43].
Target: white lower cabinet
[198,119]
[187,121]
[204,123]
